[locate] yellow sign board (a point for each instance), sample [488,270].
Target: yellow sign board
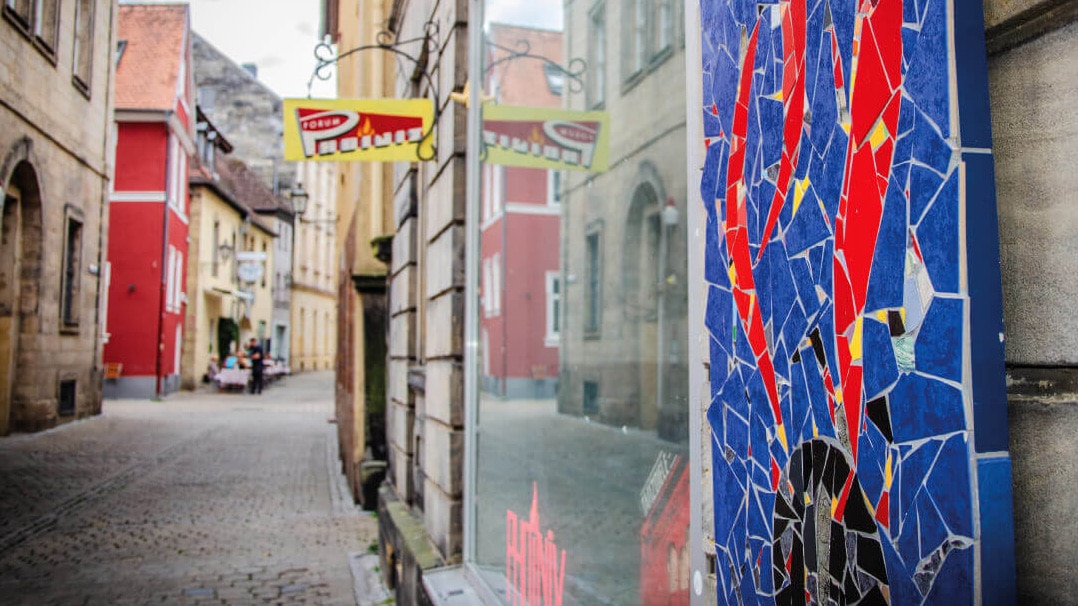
[348,130]
[537,137]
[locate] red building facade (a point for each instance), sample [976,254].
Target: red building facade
[521,215]
[149,204]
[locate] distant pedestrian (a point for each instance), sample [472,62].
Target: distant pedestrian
[254,352]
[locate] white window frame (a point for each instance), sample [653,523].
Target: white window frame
[553,309]
[178,290]
[597,55]
[488,299]
[170,286]
[496,279]
[554,179]
[664,25]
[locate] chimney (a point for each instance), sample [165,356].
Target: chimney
[252,69]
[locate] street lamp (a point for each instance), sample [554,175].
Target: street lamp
[299,197]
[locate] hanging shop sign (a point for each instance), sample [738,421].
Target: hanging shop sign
[536,137]
[350,130]
[250,271]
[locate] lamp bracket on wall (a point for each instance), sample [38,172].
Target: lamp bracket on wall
[387,41]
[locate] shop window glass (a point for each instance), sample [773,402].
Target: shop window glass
[580,488]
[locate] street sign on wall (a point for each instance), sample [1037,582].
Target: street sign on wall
[349,130]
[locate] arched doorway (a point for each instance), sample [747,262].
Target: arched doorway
[642,260]
[20,274]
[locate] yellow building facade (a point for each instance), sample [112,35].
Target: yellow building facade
[314,271]
[229,277]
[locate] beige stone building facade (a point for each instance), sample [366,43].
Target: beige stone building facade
[56,78]
[625,319]
[314,271]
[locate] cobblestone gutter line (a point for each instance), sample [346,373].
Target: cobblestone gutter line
[117,482]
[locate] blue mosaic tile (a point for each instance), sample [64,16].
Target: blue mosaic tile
[924,184]
[880,368]
[938,236]
[925,81]
[922,407]
[939,338]
[929,148]
[885,286]
[953,584]
[952,469]
[997,530]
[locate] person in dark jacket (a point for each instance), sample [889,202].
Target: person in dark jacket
[256,355]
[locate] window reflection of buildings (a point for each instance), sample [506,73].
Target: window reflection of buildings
[623,359]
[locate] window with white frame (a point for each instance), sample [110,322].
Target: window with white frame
[488,300]
[69,302]
[496,281]
[597,56]
[84,44]
[497,188]
[593,266]
[488,194]
[179,289]
[634,55]
[170,276]
[664,25]
[553,187]
[39,19]
[553,308]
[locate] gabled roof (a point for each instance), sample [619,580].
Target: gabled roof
[154,36]
[247,187]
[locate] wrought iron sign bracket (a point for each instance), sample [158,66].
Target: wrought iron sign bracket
[521,49]
[387,41]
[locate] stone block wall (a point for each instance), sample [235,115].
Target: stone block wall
[425,390]
[1033,75]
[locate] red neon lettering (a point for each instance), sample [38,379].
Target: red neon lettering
[533,575]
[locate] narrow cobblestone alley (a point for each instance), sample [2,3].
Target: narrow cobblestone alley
[200,498]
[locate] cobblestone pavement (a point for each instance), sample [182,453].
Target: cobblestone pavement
[202,498]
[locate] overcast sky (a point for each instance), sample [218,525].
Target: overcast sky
[276,35]
[279,35]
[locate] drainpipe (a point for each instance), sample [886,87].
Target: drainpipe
[164,264]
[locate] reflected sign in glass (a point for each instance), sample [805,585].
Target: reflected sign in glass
[535,137]
[349,130]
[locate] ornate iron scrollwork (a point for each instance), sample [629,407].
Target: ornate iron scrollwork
[428,45]
[387,41]
[574,71]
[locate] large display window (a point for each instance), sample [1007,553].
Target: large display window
[579,478]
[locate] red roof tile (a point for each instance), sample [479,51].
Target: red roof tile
[155,35]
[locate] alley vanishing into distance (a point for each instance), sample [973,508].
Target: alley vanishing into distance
[199,498]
